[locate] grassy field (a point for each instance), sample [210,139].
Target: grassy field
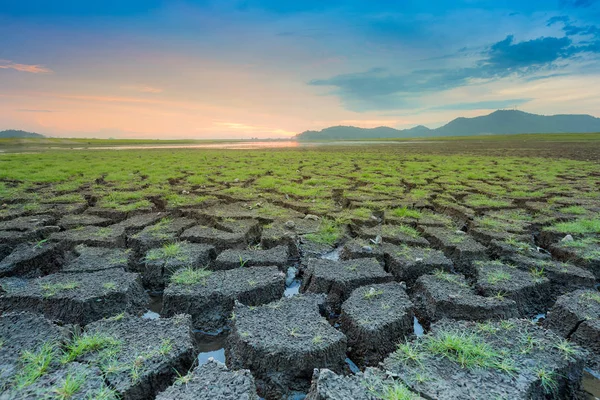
[374,177]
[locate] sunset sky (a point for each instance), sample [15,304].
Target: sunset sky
[253,68]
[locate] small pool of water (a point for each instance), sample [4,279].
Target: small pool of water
[591,384]
[210,345]
[333,255]
[151,315]
[417,327]
[293,289]
[538,319]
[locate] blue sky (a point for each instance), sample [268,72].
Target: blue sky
[255,68]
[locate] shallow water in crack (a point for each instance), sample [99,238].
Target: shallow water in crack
[333,255]
[417,327]
[210,346]
[155,306]
[591,384]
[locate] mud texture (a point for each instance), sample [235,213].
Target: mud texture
[337,279]
[375,318]
[75,298]
[211,302]
[450,296]
[407,264]
[31,260]
[92,259]
[212,381]
[281,343]
[276,256]
[529,350]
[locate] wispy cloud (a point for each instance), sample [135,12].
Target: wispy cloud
[483,105]
[33,111]
[32,68]
[142,88]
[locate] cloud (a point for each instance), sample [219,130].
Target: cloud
[482,105]
[33,111]
[380,89]
[576,3]
[32,68]
[142,88]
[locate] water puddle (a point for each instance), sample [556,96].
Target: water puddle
[353,367]
[333,255]
[292,283]
[151,315]
[293,289]
[591,384]
[538,319]
[210,346]
[418,328]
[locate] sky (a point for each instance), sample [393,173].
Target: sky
[202,69]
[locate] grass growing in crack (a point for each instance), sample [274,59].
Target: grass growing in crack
[168,251]
[84,344]
[592,296]
[71,385]
[496,277]
[547,380]
[317,339]
[405,212]
[190,276]
[445,276]
[34,364]
[537,273]
[165,347]
[468,350]
[568,349]
[109,285]
[394,230]
[51,289]
[580,226]
[408,353]
[372,293]
[183,379]
[329,233]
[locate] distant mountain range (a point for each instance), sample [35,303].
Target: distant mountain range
[497,123]
[12,133]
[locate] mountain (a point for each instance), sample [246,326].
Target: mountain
[12,133]
[497,123]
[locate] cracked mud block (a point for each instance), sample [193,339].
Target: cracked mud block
[13,238]
[485,236]
[587,335]
[337,279]
[92,259]
[31,260]
[74,380]
[281,343]
[446,295]
[165,231]
[571,310]
[212,381]
[24,332]
[109,213]
[145,355]
[286,233]
[229,259]
[363,248]
[310,249]
[210,299]
[75,298]
[75,221]
[236,235]
[160,263]
[407,264]
[587,256]
[375,318]
[109,236]
[468,360]
[262,211]
[564,277]
[138,222]
[30,223]
[458,246]
[395,234]
[373,384]
[530,290]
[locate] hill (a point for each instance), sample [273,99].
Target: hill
[12,133]
[497,123]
